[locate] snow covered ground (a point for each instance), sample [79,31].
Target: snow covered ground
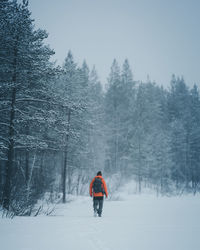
[139,222]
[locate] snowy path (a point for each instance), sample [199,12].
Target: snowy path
[140,223]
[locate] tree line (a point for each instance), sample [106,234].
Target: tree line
[58,126]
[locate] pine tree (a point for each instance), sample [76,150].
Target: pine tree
[96,125]
[112,100]
[68,88]
[23,66]
[119,101]
[179,115]
[194,145]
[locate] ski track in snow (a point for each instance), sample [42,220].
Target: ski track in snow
[137,223]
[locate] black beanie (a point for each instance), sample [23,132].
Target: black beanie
[99,173]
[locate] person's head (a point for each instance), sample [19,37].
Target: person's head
[99,173]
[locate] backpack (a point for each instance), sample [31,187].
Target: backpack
[97,185]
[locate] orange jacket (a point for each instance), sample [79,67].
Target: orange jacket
[104,188]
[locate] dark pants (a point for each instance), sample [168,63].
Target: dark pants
[98,204]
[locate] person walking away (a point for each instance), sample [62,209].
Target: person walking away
[97,190]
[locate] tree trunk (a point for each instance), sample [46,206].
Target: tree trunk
[10,154]
[139,169]
[66,167]
[27,158]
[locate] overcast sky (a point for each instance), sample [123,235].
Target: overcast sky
[159,37]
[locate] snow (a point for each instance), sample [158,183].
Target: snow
[140,222]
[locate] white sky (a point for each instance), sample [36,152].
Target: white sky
[159,37]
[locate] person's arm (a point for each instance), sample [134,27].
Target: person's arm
[105,188]
[91,184]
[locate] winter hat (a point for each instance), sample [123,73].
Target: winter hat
[99,173]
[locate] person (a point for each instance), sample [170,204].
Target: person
[98,189]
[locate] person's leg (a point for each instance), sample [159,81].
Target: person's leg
[95,204]
[100,206]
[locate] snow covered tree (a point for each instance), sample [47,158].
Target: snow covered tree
[73,125]
[96,124]
[194,141]
[112,100]
[179,116]
[118,107]
[24,67]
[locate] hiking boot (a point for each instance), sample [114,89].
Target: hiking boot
[99,215]
[95,213]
